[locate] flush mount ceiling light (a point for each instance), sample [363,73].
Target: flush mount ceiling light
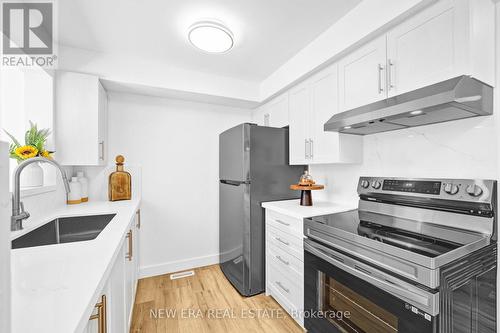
[211,37]
[416,112]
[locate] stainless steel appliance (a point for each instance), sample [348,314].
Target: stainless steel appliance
[418,255]
[457,98]
[253,168]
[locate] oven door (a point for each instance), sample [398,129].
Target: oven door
[342,294]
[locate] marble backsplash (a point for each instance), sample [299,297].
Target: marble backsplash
[458,149]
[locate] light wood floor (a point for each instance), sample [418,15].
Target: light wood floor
[205,302]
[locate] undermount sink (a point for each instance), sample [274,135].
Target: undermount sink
[64,230]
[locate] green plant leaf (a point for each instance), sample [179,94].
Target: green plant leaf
[14,140]
[37,138]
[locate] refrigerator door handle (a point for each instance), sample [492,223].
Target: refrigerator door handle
[234,182]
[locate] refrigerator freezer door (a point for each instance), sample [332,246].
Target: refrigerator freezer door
[234,153]
[234,215]
[4,239]
[271,177]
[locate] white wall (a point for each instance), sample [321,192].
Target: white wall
[176,143]
[5,303]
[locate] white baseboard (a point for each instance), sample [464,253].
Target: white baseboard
[175,266]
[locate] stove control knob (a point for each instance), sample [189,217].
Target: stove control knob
[376,185]
[451,189]
[365,184]
[474,190]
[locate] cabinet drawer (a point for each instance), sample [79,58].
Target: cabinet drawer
[286,242]
[284,261]
[285,223]
[286,289]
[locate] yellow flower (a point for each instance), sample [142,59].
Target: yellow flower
[26,152]
[46,154]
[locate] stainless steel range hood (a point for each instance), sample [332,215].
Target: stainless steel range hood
[457,98]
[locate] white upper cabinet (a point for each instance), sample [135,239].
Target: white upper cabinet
[448,39]
[311,104]
[273,113]
[81,119]
[362,75]
[422,50]
[299,116]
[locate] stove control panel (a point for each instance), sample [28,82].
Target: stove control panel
[413,186]
[472,190]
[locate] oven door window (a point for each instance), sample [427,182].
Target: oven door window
[351,312]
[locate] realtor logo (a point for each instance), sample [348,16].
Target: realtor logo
[28,34]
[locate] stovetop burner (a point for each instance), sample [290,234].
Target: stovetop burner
[412,236]
[414,242]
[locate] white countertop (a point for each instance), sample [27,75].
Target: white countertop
[294,209]
[54,287]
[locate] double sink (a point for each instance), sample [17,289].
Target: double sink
[64,230]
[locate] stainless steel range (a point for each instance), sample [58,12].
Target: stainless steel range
[418,255]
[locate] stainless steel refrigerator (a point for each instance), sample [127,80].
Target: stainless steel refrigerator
[253,168]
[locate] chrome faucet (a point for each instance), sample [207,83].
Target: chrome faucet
[18,212]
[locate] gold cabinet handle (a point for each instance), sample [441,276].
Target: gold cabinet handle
[129,254]
[101,315]
[138,219]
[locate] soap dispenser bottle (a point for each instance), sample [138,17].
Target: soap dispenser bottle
[75,194]
[85,185]
[120,182]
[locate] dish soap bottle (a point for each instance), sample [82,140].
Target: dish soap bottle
[75,194]
[120,182]
[85,185]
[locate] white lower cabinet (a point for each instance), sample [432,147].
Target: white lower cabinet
[117,321]
[285,263]
[114,306]
[131,267]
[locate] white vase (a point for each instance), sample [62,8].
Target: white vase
[32,176]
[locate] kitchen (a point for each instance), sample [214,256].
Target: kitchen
[120,89]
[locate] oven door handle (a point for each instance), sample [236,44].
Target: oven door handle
[425,300]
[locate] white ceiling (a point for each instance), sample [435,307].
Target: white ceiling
[267,32]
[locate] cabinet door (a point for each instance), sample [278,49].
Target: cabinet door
[116,301]
[277,111]
[423,49]
[103,125]
[299,112]
[130,273]
[324,101]
[362,75]
[102,312]
[260,116]
[81,119]
[137,241]
[114,291]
